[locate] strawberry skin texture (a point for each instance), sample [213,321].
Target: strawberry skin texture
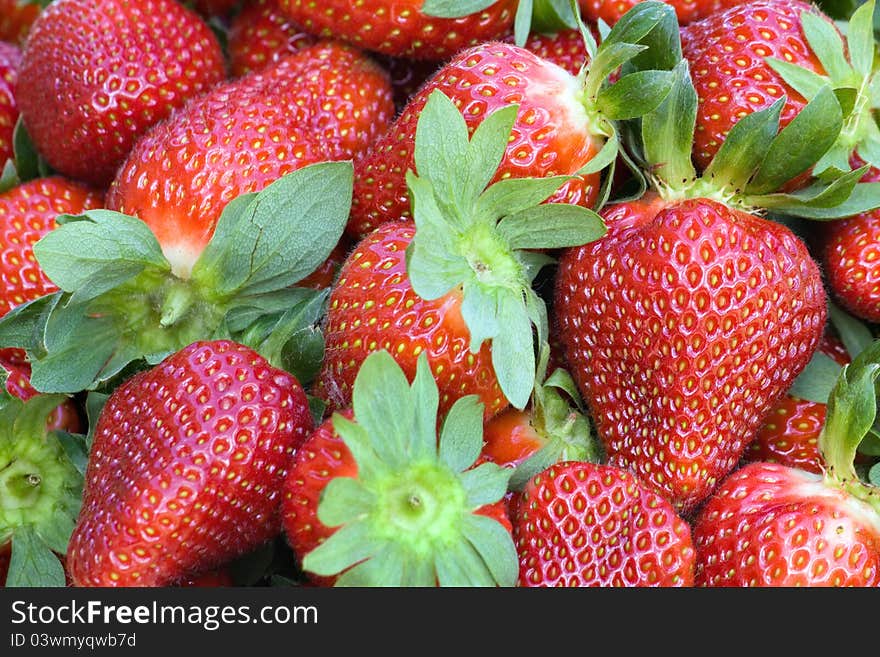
[726,53]
[187,467]
[96,74]
[687,11]
[373,307]
[10,58]
[682,331]
[510,438]
[398,27]
[260,34]
[770,525]
[324,103]
[16,19]
[585,524]
[552,134]
[324,457]
[790,433]
[566,49]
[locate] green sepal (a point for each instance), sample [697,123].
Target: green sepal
[317,409]
[662,41]
[842,198]
[33,563]
[634,95]
[549,16]
[461,437]
[76,448]
[816,382]
[825,42]
[344,500]
[347,546]
[523,21]
[29,164]
[485,484]
[513,195]
[874,474]
[552,226]
[9,176]
[854,334]
[495,545]
[25,326]
[454,8]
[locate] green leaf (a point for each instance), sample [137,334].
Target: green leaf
[454,8]
[804,81]
[426,401]
[522,24]
[552,226]
[461,437]
[480,309]
[827,45]
[513,195]
[817,380]
[638,22]
[9,176]
[317,408]
[360,445]
[485,484]
[744,148]
[33,564]
[663,43]
[513,352]
[668,131]
[286,232]
[868,147]
[562,380]
[800,144]
[874,474]
[385,568]
[28,163]
[870,444]
[383,405]
[856,337]
[76,449]
[462,566]
[549,16]
[604,158]
[247,312]
[98,252]
[344,500]
[863,198]
[609,58]
[347,546]
[486,150]
[95,402]
[25,325]
[495,545]
[635,94]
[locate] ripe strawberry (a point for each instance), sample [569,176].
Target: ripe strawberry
[326,102]
[186,467]
[10,58]
[687,11]
[375,499]
[563,121]
[96,74]
[746,58]
[771,525]
[583,524]
[65,417]
[402,28]
[260,34]
[565,48]
[790,433]
[27,213]
[16,18]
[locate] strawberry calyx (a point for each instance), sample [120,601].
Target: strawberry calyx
[122,301]
[40,490]
[755,160]
[411,516]
[484,242]
[850,416]
[852,72]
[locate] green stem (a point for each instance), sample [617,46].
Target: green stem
[179,300]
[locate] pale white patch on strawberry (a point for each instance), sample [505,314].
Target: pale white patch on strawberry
[182,256]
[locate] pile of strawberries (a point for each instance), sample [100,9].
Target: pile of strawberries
[439,292]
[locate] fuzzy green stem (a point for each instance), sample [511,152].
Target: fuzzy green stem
[179,300]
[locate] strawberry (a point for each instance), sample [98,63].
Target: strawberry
[186,468]
[41,491]
[326,102]
[381,494]
[403,28]
[563,123]
[260,34]
[10,58]
[687,11]
[583,524]
[456,284]
[565,48]
[772,525]
[790,433]
[16,17]
[96,74]
[18,372]
[748,57]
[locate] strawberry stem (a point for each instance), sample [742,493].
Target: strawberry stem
[179,300]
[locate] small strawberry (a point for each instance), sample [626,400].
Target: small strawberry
[583,524]
[96,74]
[565,121]
[186,467]
[327,102]
[16,17]
[383,495]
[771,525]
[260,34]
[10,58]
[456,283]
[40,490]
[405,28]
[748,57]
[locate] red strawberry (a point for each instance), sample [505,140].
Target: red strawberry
[582,524]
[96,74]
[326,102]
[682,330]
[10,58]
[401,28]
[65,417]
[687,11]
[565,48]
[790,433]
[748,57]
[186,467]
[260,34]
[16,18]
[553,133]
[375,498]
